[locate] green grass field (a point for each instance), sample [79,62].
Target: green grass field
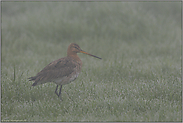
[138,78]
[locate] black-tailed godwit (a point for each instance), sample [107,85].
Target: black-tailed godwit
[63,70]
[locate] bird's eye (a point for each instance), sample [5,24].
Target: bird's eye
[76,47]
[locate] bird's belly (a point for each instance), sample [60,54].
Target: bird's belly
[66,79]
[73,77]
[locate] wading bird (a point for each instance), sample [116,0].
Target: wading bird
[63,70]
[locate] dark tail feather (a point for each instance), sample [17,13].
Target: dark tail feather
[33,79]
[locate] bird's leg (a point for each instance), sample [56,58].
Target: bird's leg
[56,91]
[60,92]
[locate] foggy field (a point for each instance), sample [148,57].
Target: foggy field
[138,78]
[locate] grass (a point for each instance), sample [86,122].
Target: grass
[138,78]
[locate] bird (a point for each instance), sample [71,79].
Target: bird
[61,71]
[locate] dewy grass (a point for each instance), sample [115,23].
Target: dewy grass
[138,78]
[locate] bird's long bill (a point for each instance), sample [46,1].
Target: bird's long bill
[89,54]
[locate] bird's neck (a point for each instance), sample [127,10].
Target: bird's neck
[74,56]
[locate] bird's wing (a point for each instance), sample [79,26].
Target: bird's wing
[56,69]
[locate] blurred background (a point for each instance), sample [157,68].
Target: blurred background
[139,43]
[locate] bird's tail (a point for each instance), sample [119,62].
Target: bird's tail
[33,79]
